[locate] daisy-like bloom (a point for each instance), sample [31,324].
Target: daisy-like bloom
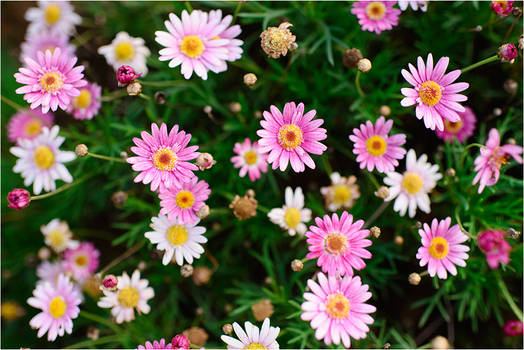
[40,161]
[252,337]
[55,16]
[376,16]
[156,345]
[513,328]
[183,201]
[163,158]
[412,187]
[183,241]
[502,7]
[43,41]
[441,249]
[338,244]
[437,99]
[292,215]
[87,104]
[342,193]
[491,158]
[128,51]
[132,293]
[59,304]
[49,271]
[58,236]
[28,124]
[199,42]
[415,5]
[51,81]
[375,148]
[460,130]
[82,261]
[290,136]
[496,248]
[336,308]
[249,159]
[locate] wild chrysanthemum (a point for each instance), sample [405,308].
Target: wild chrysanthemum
[249,159]
[87,104]
[289,137]
[45,40]
[460,130]
[415,5]
[58,236]
[28,124]
[252,338]
[128,51]
[292,215]
[54,16]
[376,16]
[49,271]
[342,193]
[82,261]
[434,94]
[156,345]
[502,7]
[277,41]
[495,246]
[441,249]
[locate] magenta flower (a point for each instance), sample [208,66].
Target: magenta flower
[338,244]
[28,124]
[126,74]
[180,341]
[82,261]
[156,345]
[337,310]
[86,105]
[376,16]
[183,201]
[491,158]
[290,136]
[460,130]
[249,159]
[508,53]
[375,148]
[513,328]
[51,81]
[497,249]
[433,93]
[163,158]
[502,7]
[441,249]
[18,198]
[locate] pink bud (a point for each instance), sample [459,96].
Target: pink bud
[490,240]
[513,328]
[18,198]
[180,341]
[507,53]
[126,74]
[110,282]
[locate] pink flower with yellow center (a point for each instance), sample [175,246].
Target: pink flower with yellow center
[249,159]
[460,130]
[28,124]
[495,246]
[502,7]
[87,104]
[376,16]
[156,345]
[82,261]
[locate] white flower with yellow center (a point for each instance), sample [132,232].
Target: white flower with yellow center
[252,337]
[128,51]
[412,187]
[132,293]
[55,16]
[183,241]
[292,215]
[58,236]
[342,193]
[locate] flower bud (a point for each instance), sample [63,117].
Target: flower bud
[186,270]
[375,232]
[297,265]
[205,161]
[109,283]
[196,335]
[180,341]
[382,192]
[414,279]
[516,12]
[235,107]
[439,342]
[203,212]
[497,111]
[351,57]
[451,172]
[227,328]
[521,42]
[18,198]
[513,328]
[508,53]
[257,114]
[160,97]
[364,65]
[513,234]
[126,74]
[250,79]
[44,253]
[201,275]
[511,86]
[134,89]
[124,155]
[141,266]
[277,41]
[262,310]
[208,109]
[92,333]
[385,110]
[81,150]
[119,198]
[387,346]
[399,240]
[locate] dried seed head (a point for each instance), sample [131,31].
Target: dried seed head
[414,279]
[351,57]
[451,172]
[160,97]
[134,88]
[512,233]
[201,275]
[250,79]
[439,342]
[44,253]
[364,65]
[203,212]
[186,270]
[297,265]
[399,240]
[92,286]
[384,110]
[511,86]
[277,41]
[196,335]
[119,198]
[375,232]
[205,161]
[92,333]
[227,329]
[382,192]
[244,207]
[81,150]
[235,107]
[262,310]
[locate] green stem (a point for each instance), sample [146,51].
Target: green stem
[90,343]
[59,189]
[122,257]
[376,214]
[262,209]
[480,63]
[145,97]
[509,299]
[188,6]
[12,104]
[237,9]
[112,159]
[464,152]
[357,85]
[459,222]
[101,320]
[168,83]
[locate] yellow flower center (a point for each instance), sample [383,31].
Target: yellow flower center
[177,235]
[82,101]
[165,159]
[452,127]
[342,194]
[335,243]
[376,10]
[128,297]
[33,127]
[81,260]
[57,307]
[412,183]
[376,145]
[254,346]
[439,248]
[52,14]
[124,51]
[51,82]
[9,310]
[44,157]
[337,306]
[290,136]
[57,238]
[185,199]
[430,93]
[250,157]
[50,48]
[498,158]
[503,4]
[292,217]
[192,46]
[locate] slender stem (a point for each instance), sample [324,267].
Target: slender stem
[122,257]
[114,96]
[423,273]
[263,209]
[145,97]
[112,159]
[464,152]
[12,103]
[509,299]
[376,214]
[101,320]
[357,85]
[480,63]
[237,9]
[459,222]
[188,6]
[160,83]
[213,260]
[59,189]
[89,343]
[515,20]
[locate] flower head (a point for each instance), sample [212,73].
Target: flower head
[43,41]
[126,74]
[57,17]
[87,104]
[244,207]
[292,215]
[415,5]
[496,248]
[252,337]
[180,341]
[82,261]
[376,16]
[375,148]
[288,137]
[58,236]
[342,193]
[508,53]
[441,249]
[249,159]
[513,328]
[49,271]
[502,7]
[460,130]
[126,50]
[337,310]
[28,124]
[437,99]
[18,198]
[156,345]
[276,41]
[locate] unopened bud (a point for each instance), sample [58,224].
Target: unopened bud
[351,57]
[186,270]
[109,283]
[250,79]
[81,150]
[512,141]
[414,279]
[385,111]
[508,53]
[134,88]
[203,212]
[123,155]
[497,111]
[364,65]
[387,346]
[297,265]
[511,86]
[92,333]
[205,161]
[44,253]
[521,42]
[418,224]
[119,198]
[142,265]
[126,75]
[512,233]
[451,172]
[439,342]
[208,109]
[382,192]
[201,275]
[227,328]
[478,28]
[375,232]
[262,310]
[399,240]
[268,280]
[160,97]
[257,114]
[250,193]
[18,198]
[517,12]
[235,107]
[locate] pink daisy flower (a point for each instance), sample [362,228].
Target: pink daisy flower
[375,148]
[513,328]
[337,310]
[50,81]
[86,105]
[460,130]
[491,158]
[28,124]
[441,249]
[163,158]
[82,262]
[183,201]
[338,244]
[156,345]
[200,42]
[434,94]
[502,7]
[290,136]
[249,159]
[376,16]
[497,249]
[43,41]
[59,305]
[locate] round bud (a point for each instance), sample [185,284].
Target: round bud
[297,265]
[81,150]
[439,342]
[186,270]
[134,88]
[44,253]
[250,79]
[227,328]
[497,111]
[414,279]
[375,232]
[382,192]
[364,65]
[399,240]
[511,86]
[160,97]
[451,172]
[208,109]
[235,107]
[385,110]
[203,212]
[119,198]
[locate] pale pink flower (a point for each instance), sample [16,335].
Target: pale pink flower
[82,261]
[45,40]
[28,124]
[460,130]
[86,105]
[249,159]
[156,345]
[376,16]
[497,249]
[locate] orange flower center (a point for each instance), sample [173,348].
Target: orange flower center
[250,157]
[453,127]
[430,93]
[337,306]
[185,199]
[376,10]
[335,243]
[51,82]
[290,136]
[376,145]
[165,159]
[439,248]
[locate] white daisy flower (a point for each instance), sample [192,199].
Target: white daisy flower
[180,240]
[292,215]
[342,193]
[40,160]
[58,236]
[412,187]
[128,51]
[56,16]
[252,338]
[131,293]
[415,4]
